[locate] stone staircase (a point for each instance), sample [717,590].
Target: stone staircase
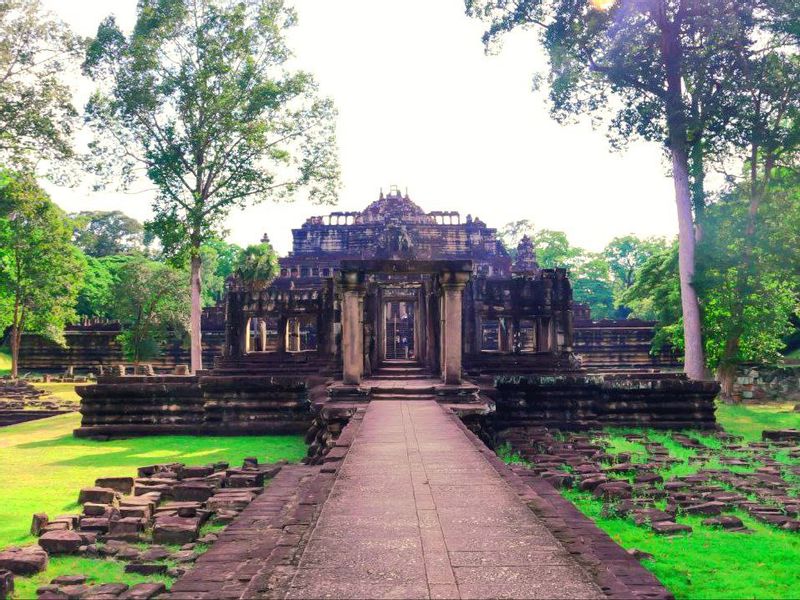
[403,380]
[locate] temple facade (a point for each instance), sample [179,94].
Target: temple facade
[395,283]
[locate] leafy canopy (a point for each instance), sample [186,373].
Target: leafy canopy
[37,118]
[151,301]
[199,98]
[40,270]
[105,233]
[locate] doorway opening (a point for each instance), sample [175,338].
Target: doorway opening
[399,327]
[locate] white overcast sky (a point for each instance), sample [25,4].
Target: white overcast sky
[422,107]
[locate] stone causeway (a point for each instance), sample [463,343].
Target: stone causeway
[411,504]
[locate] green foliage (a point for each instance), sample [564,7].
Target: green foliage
[95,296]
[37,118]
[656,294]
[199,96]
[151,300]
[258,265]
[105,233]
[40,271]
[219,262]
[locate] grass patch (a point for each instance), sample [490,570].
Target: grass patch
[709,563]
[43,467]
[97,571]
[749,420]
[5,362]
[61,391]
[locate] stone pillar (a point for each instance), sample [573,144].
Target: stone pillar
[282,322]
[246,337]
[295,335]
[453,285]
[262,335]
[352,328]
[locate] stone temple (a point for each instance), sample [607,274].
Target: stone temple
[396,302]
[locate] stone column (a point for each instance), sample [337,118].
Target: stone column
[282,322]
[352,328]
[246,337]
[262,335]
[453,285]
[295,334]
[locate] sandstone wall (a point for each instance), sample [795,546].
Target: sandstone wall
[87,350]
[619,345]
[663,401]
[205,405]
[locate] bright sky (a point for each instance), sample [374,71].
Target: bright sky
[421,106]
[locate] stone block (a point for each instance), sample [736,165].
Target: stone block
[175,530]
[192,492]
[97,495]
[144,591]
[670,528]
[99,524]
[68,580]
[61,542]
[147,568]
[38,523]
[6,583]
[124,485]
[706,508]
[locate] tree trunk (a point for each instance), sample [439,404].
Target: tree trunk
[195,333]
[15,338]
[694,361]
[672,56]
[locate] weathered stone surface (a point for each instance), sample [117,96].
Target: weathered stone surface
[24,561]
[175,530]
[706,508]
[38,523]
[124,485]
[726,522]
[68,580]
[61,542]
[669,528]
[97,495]
[146,568]
[192,492]
[6,583]
[143,591]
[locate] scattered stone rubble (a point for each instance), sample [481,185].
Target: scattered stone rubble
[164,507]
[751,480]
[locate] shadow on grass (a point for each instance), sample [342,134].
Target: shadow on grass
[135,451]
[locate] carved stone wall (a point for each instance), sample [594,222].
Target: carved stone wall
[620,345]
[661,401]
[205,405]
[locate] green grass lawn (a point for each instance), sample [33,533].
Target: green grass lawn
[749,420]
[43,467]
[710,563]
[62,391]
[5,362]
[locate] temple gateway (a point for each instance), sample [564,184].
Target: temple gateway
[395,302]
[396,285]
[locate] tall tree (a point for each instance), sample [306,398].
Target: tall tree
[37,117]
[258,265]
[105,233]
[200,97]
[662,68]
[40,271]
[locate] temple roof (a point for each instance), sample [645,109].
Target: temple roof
[394,207]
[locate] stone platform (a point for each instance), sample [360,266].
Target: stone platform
[410,504]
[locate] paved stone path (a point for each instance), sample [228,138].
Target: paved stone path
[417,511]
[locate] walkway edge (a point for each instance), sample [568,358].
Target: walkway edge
[617,573]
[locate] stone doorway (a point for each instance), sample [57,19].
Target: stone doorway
[400,327]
